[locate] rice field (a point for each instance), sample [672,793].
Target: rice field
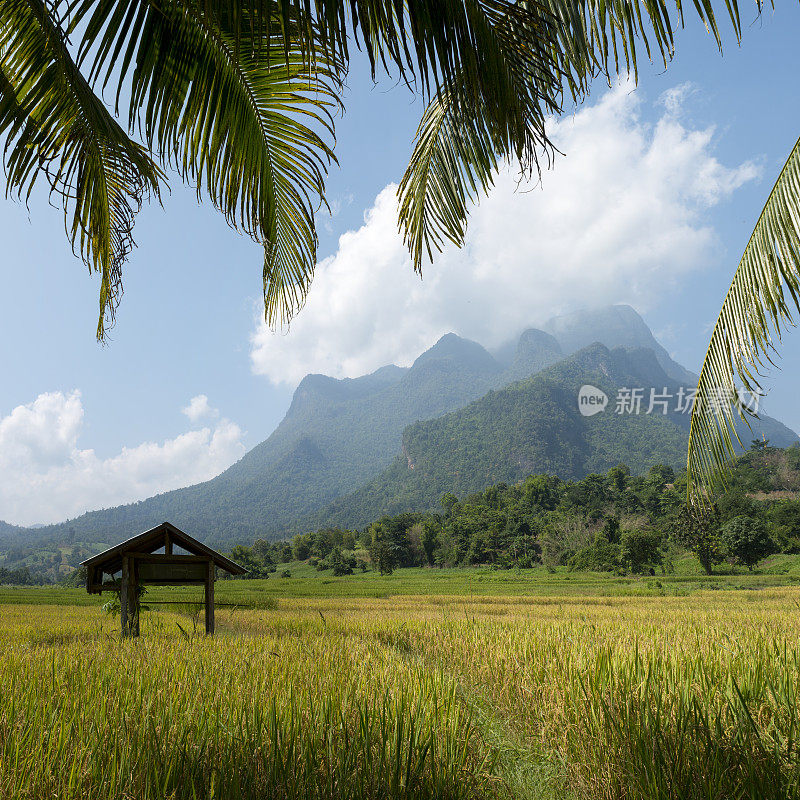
[411,696]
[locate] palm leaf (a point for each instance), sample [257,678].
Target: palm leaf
[238,96]
[763,295]
[56,128]
[249,124]
[473,122]
[453,160]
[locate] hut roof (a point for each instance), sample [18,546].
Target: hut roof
[110,561]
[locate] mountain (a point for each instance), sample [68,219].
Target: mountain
[340,437]
[11,533]
[336,435]
[614,326]
[535,350]
[534,426]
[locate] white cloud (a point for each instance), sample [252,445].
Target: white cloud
[199,408]
[46,477]
[621,218]
[673,99]
[336,204]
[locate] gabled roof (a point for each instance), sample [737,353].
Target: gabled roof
[110,560]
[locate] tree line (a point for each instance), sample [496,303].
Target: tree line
[613,522]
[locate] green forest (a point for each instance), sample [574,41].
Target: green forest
[610,522]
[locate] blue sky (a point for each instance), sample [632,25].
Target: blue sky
[187,325]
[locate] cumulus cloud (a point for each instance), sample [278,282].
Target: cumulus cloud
[199,408]
[621,218]
[45,476]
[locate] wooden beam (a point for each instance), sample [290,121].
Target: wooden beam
[161,558]
[167,543]
[209,598]
[172,571]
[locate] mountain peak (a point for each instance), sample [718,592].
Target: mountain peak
[615,326]
[452,349]
[535,351]
[621,326]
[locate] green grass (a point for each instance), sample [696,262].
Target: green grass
[305,581]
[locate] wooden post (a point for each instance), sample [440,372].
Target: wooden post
[129,599]
[167,544]
[209,597]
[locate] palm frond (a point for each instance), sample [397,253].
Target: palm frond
[55,127]
[249,125]
[453,160]
[494,108]
[763,296]
[239,97]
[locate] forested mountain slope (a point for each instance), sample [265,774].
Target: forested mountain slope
[336,435]
[340,435]
[11,533]
[535,426]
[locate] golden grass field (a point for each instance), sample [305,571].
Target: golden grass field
[408,697]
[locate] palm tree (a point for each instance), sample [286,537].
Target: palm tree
[239,98]
[764,294]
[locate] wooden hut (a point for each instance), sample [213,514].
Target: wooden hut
[150,558]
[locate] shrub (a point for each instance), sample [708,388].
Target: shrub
[602,556]
[342,564]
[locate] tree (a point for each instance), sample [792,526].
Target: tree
[699,531]
[610,532]
[75,578]
[543,492]
[600,556]
[562,536]
[660,475]
[383,550]
[617,477]
[341,564]
[263,553]
[284,551]
[239,99]
[640,549]
[746,541]
[430,540]
[301,548]
[448,501]
[251,561]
